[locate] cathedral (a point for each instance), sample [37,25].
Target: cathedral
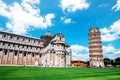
[95,48]
[46,51]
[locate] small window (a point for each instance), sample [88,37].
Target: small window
[29,40]
[23,39]
[17,38]
[3,43]
[0,49]
[10,50]
[40,55]
[24,54]
[60,38]
[28,52]
[15,53]
[10,37]
[5,52]
[13,45]
[8,44]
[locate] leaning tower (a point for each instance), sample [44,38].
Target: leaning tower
[95,48]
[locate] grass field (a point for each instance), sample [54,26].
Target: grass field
[38,73]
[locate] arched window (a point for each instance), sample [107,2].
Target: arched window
[4,35]
[32,54]
[60,38]
[24,54]
[10,37]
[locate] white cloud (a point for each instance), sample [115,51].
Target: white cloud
[4,9]
[112,33]
[24,16]
[67,21]
[103,5]
[62,18]
[111,52]
[73,5]
[48,18]
[117,6]
[79,52]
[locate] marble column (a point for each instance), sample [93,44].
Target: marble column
[4,59]
[1,55]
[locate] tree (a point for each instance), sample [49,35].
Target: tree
[107,61]
[117,61]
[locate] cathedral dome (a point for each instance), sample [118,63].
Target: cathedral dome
[47,36]
[48,33]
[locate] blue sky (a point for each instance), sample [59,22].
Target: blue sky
[71,17]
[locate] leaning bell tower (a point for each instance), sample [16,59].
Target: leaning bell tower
[95,48]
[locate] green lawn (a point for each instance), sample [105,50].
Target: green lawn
[38,73]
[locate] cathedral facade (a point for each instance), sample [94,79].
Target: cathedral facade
[48,51]
[95,48]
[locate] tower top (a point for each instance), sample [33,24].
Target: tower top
[93,30]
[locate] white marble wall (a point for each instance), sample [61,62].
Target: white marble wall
[22,50]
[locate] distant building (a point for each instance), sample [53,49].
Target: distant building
[95,48]
[48,51]
[78,63]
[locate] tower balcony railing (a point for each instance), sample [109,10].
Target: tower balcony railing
[95,42]
[92,38]
[90,47]
[95,33]
[97,51]
[94,55]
